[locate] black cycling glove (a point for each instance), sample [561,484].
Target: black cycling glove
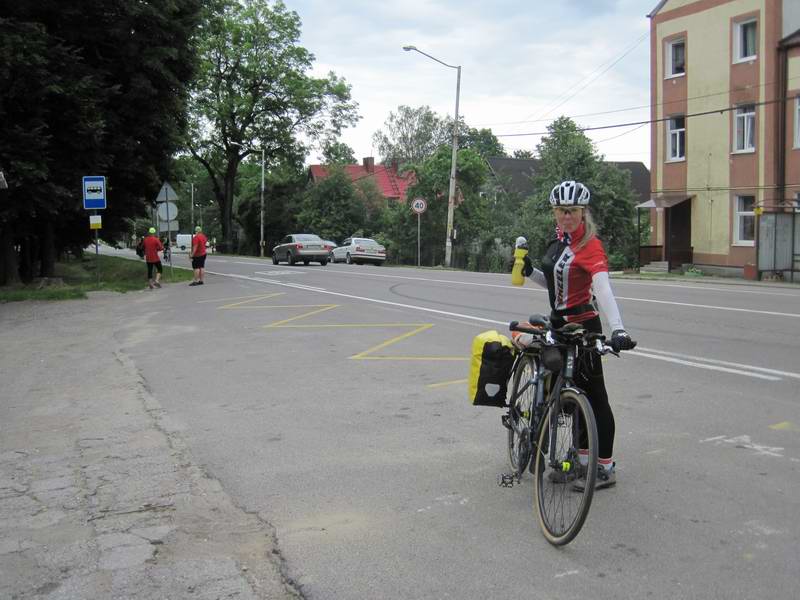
[620,340]
[528,268]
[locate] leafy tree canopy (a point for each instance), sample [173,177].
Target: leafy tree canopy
[335,152]
[332,208]
[411,135]
[254,94]
[567,153]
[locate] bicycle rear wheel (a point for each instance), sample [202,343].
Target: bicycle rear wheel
[568,426]
[523,394]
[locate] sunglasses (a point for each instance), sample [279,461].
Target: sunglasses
[567,211]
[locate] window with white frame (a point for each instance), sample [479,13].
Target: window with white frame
[744,226]
[744,45]
[676,138]
[797,122]
[745,128]
[676,58]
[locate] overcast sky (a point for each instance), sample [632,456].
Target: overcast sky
[520,60]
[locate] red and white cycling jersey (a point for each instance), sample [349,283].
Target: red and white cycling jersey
[569,272]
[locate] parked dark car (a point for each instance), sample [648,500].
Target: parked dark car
[305,247]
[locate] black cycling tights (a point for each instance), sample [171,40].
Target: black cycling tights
[589,377]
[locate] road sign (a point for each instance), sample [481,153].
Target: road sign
[167,226]
[418,205]
[166,193]
[95,222]
[94,192]
[167,211]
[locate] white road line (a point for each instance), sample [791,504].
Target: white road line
[709,367]
[747,310]
[538,289]
[493,322]
[491,285]
[242,262]
[352,297]
[732,288]
[722,362]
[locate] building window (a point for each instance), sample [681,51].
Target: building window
[797,122]
[744,226]
[676,58]
[745,128]
[745,41]
[676,140]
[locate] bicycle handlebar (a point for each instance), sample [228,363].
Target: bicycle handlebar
[553,337]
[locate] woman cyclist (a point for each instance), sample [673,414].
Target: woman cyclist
[574,269]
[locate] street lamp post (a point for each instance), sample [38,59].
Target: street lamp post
[451,198]
[261,243]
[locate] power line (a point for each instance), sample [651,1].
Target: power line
[592,77]
[661,120]
[641,107]
[613,137]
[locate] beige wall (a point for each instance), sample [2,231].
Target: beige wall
[708,137]
[793,74]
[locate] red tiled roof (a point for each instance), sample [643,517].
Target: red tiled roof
[391,184]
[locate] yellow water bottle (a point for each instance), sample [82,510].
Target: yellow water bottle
[520,252]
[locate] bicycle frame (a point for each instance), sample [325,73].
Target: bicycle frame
[547,392]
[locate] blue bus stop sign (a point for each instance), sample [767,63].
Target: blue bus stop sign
[94,192]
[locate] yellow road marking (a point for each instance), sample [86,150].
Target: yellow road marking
[394,340]
[785,426]
[444,383]
[240,304]
[322,308]
[246,302]
[257,297]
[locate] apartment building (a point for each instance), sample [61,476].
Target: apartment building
[725,138]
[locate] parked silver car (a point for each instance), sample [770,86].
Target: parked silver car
[305,247]
[359,251]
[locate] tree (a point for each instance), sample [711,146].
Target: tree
[253,93]
[335,152]
[482,141]
[522,154]
[284,191]
[566,153]
[93,88]
[432,181]
[411,135]
[332,208]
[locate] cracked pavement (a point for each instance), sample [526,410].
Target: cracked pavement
[99,495]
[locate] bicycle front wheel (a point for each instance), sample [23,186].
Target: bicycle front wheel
[523,394]
[568,426]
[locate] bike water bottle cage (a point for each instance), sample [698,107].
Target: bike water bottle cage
[570,193]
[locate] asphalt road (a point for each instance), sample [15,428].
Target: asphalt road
[332,402]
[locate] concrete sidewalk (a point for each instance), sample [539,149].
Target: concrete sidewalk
[99,495]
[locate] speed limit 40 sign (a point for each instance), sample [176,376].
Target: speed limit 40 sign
[418,205]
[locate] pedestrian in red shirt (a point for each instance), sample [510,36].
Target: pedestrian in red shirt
[199,256]
[152,246]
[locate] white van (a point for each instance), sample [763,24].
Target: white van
[183,244]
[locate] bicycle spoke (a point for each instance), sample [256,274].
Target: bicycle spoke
[561,509]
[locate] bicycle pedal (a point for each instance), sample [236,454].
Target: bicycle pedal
[507,480]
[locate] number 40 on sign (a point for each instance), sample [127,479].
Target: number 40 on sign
[418,205]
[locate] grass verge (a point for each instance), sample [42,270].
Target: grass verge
[80,276]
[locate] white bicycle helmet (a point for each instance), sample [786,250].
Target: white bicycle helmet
[570,193]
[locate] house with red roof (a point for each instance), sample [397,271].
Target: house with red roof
[393,185]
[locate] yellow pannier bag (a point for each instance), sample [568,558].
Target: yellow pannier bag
[490,368]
